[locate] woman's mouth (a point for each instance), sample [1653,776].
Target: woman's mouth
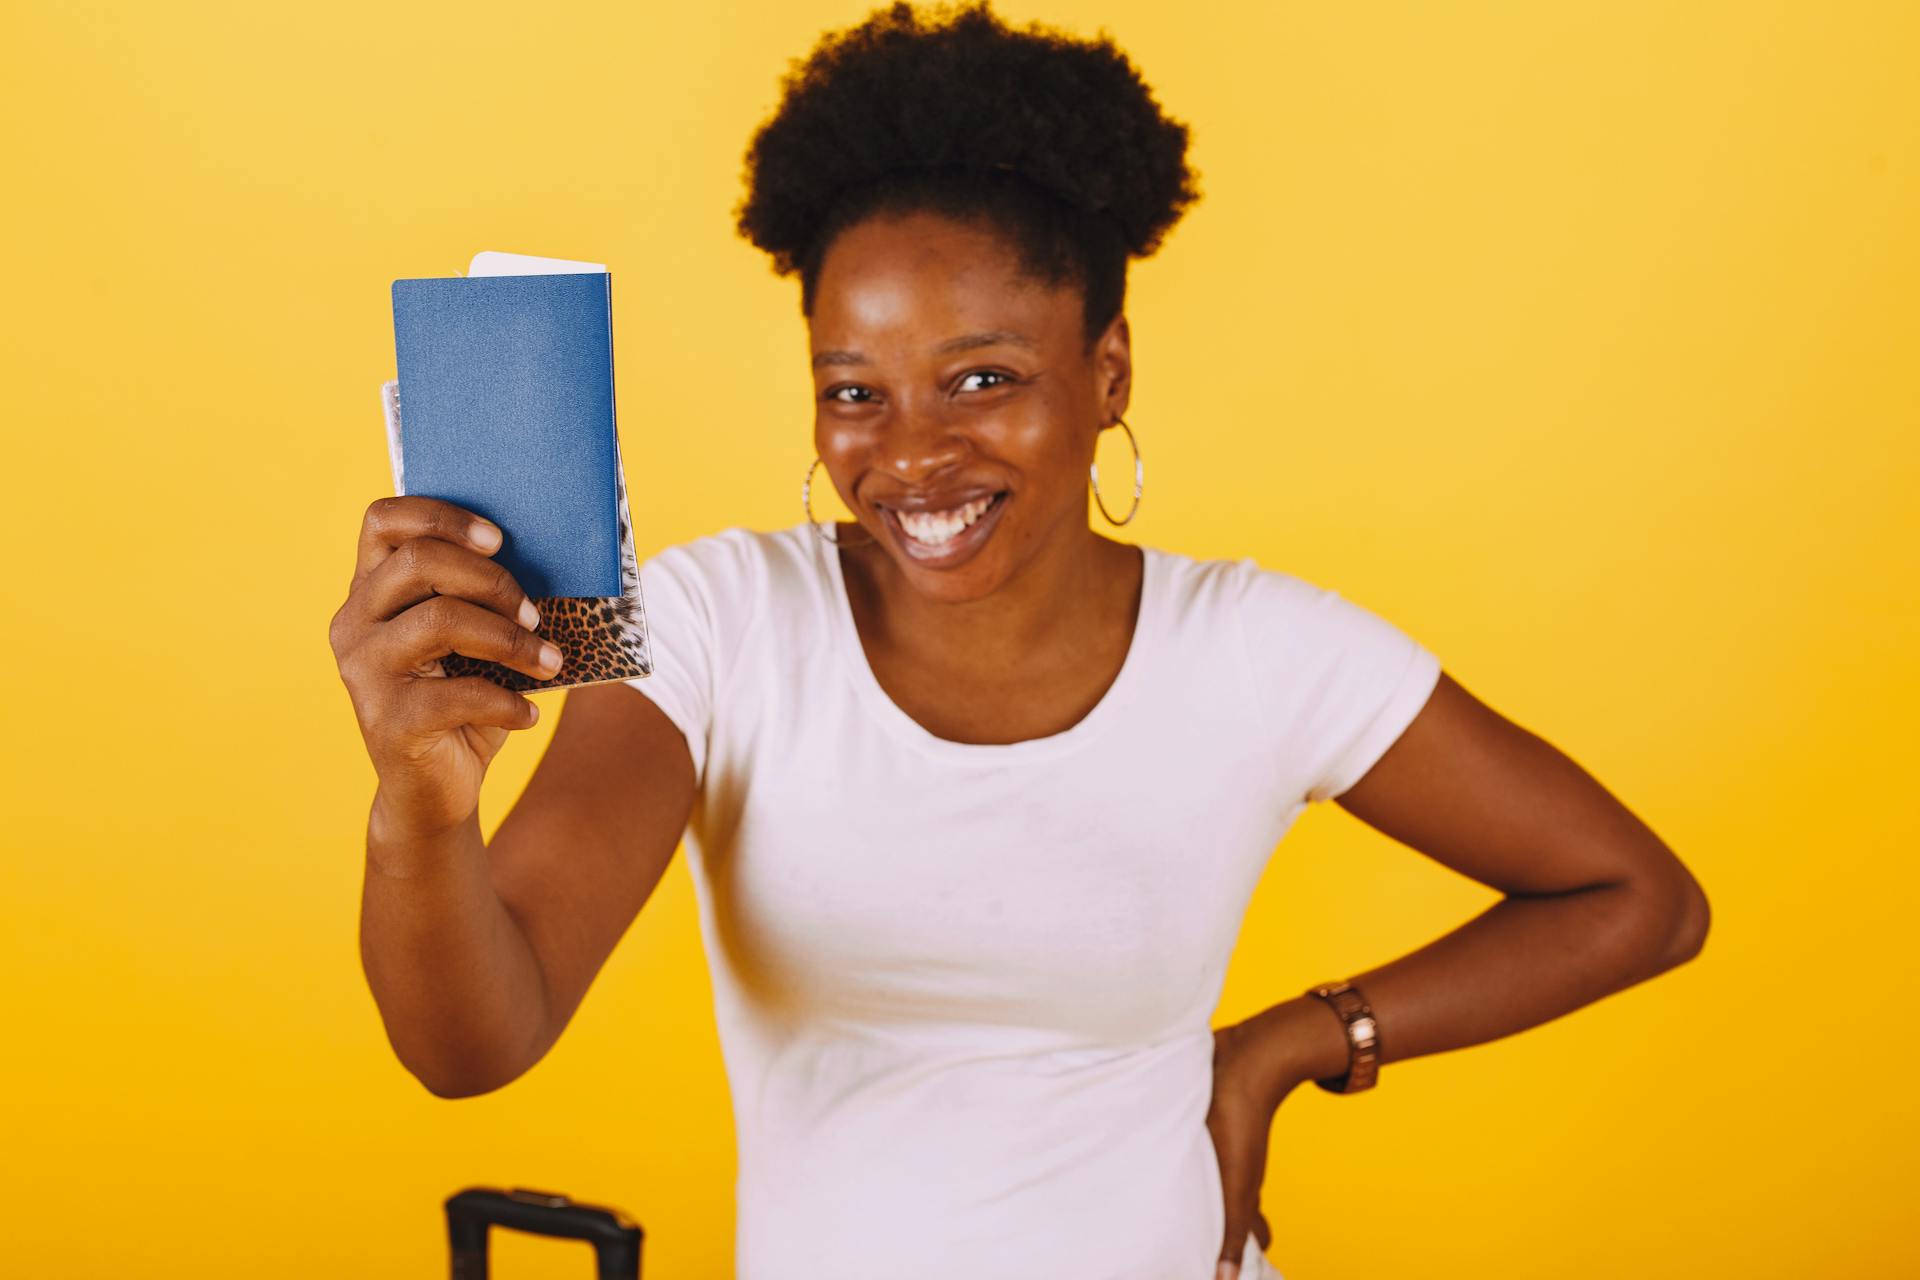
[942,539]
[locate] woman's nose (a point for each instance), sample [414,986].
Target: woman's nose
[917,446]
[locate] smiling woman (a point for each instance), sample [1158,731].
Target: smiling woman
[974,796]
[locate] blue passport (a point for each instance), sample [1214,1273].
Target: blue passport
[506,393]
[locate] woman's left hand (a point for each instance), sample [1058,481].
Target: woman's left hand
[1240,1119]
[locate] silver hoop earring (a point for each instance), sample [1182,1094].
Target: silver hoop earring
[1139,477]
[806,505]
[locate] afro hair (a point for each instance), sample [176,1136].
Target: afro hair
[1054,141]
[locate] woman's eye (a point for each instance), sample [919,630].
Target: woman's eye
[853,393]
[984,373]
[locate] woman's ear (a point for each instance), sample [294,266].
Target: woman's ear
[1113,368]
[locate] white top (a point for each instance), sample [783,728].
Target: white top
[964,992]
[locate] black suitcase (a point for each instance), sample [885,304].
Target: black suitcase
[473,1212]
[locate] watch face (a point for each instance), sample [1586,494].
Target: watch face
[1363,1030]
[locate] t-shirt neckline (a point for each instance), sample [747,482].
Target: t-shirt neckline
[880,704]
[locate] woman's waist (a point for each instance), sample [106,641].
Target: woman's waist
[1119,1193]
[1007,1163]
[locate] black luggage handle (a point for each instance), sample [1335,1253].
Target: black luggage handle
[615,1238]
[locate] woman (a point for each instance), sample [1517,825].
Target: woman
[974,796]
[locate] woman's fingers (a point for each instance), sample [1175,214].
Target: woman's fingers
[1243,1219]
[1243,1165]
[432,706]
[422,567]
[390,522]
[440,625]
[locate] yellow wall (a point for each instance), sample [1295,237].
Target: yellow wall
[1576,339]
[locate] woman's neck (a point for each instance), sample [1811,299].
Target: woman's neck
[1070,596]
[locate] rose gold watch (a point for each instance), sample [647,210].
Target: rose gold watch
[1363,1037]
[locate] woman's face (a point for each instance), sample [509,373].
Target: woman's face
[955,406]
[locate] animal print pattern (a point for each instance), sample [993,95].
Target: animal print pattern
[601,638]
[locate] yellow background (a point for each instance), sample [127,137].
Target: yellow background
[1576,339]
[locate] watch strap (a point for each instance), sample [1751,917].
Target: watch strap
[1363,1036]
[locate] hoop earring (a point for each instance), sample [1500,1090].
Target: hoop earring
[1139,477]
[806,505]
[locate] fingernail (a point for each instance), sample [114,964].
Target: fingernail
[549,657]
[485,534]
[529,616]
[1227,1271]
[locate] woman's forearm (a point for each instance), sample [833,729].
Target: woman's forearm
[459,988]
[1524,961]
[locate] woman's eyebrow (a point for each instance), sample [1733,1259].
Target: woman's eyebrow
[992,338]
[966,342]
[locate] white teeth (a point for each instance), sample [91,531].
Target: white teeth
[936,527]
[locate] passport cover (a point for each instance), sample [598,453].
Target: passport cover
[603,636]
[508,388]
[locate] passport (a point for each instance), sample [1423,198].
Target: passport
[504,406]
[506,390]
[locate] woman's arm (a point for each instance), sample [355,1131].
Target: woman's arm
[478,954]
[1595,901]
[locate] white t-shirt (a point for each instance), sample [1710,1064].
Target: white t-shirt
[964,992]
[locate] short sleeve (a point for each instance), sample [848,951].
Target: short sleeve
[680,631]
[1336,683]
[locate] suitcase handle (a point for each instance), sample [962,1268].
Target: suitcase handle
[615,1238]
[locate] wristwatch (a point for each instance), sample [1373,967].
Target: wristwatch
[1363,1037]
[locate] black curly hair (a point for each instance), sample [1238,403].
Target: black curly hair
[1052,140]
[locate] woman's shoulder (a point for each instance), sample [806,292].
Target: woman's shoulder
[735,573]
[1270,605]
[1195,582]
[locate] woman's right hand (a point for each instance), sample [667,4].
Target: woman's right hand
[423,587]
